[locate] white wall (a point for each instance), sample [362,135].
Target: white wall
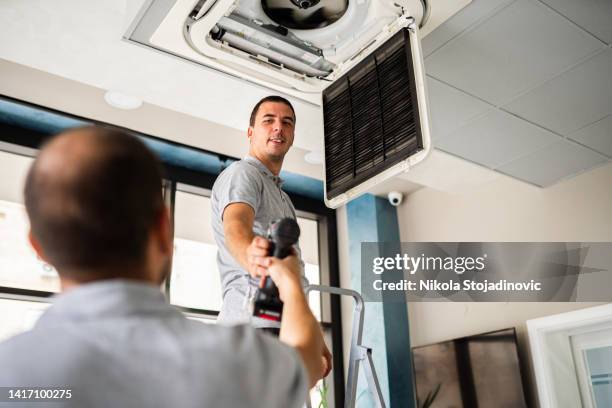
[579,209]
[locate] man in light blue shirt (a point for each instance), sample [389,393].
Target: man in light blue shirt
[94,201]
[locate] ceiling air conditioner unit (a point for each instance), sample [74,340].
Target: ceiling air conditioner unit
[360,58]
[376,119]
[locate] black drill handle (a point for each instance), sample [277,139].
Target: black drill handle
[282,234]
[279,252]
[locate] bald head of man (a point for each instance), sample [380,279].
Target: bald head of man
[94,199]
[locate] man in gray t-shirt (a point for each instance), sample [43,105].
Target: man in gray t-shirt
[248,182]
[246,197]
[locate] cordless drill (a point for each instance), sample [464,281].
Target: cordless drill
[282,234]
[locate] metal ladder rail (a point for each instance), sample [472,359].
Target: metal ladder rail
[358,353]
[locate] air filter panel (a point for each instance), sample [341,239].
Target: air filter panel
[375,119]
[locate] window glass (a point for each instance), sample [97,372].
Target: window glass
[599,366]
[14,169]
[18,316]
[324,389]
[195,280]
[309,245]
[19,265]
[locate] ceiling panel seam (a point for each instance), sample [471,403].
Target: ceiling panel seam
[516,116]
[467,123]
[483,114]
[471,27]
[556,182]
[492,169]
[554,76]
[576,174]
[495,168]
[512,98]
[463,91]
[468,120]
[513,177]
[571,21]
[589,124]
[526,91]
[531,183]
[540,149]
[520,156]
[569,139]
[570,176]
[556,133]
[468,160]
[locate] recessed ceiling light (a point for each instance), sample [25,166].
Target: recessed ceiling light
[314,157]
[120,100]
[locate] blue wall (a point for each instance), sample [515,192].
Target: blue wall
[386,331]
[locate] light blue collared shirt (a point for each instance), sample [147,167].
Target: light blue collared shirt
[117,343]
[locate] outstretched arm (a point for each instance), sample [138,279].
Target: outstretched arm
[299,328]
[247,248]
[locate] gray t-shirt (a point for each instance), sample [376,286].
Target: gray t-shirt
[117,343]
[247,181]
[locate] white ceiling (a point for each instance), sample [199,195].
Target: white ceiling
[82,41]
[522,87]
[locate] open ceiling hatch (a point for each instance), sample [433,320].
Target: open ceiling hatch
[296,45]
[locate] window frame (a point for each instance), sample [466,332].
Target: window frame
[170,190]
[205,192]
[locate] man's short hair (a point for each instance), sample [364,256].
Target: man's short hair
[271,98]
[100,214]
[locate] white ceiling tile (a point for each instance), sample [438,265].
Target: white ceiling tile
[517,48]
[572,100]
[597,136]
[446,172]
[551,164]
[450,108]
[476,10]
[592,15]
[495,139]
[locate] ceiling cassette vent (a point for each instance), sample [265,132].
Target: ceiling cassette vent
[360,59]
[302,45]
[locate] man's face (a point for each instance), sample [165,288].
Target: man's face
[271,135]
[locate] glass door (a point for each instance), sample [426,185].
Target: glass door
[593,355]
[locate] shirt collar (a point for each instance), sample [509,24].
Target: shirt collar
[254,161]
[108,298]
